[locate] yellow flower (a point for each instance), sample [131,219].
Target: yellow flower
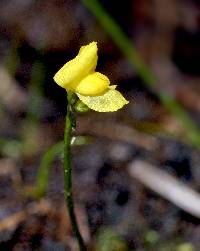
[93,88]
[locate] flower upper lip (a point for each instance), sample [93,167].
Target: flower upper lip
[74,71]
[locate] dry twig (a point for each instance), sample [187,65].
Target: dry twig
[114,131]
[167,186]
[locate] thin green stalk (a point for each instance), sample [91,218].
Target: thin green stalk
[149,79]
[44,168]
[69,124]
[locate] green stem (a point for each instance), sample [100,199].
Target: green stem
[69,124]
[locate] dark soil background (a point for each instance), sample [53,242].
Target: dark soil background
[117,210]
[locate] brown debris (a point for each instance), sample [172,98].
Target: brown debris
[12,221]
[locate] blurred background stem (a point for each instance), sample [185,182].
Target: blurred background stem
[127,48]
[45,165]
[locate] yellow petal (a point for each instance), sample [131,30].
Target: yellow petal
[110,101]
[78,68]
[94,84]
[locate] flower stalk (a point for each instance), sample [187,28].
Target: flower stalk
[69,126]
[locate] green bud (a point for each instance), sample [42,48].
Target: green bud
[81,107]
